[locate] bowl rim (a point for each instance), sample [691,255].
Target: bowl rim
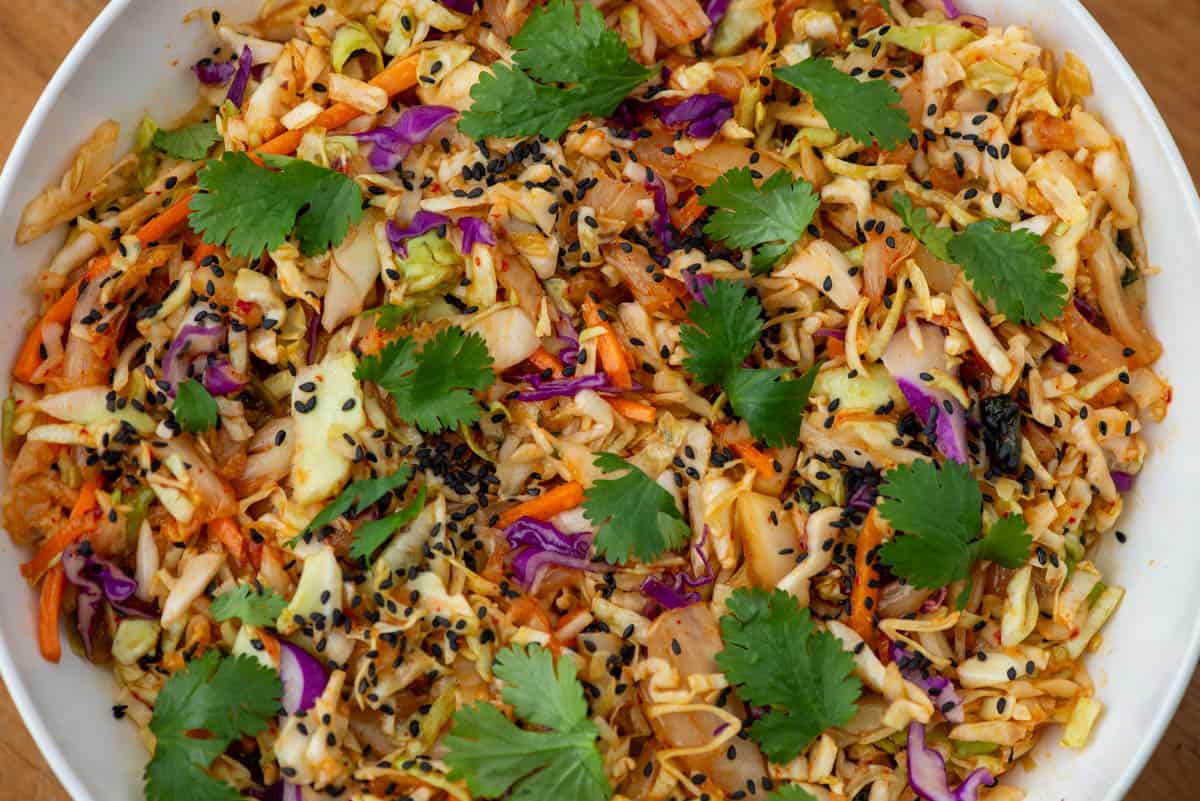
[62,766]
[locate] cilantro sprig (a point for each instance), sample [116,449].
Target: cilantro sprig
[253,605]
[369,537]
[356,498]
[777,659]
[1013,269]
[720,334]
[194,408]
[198,713]
[867,110]
[562,70]
[189,143]
[939,511]
[496,757]
[790,792]
[432,386]
[770,218]
[633,514]
[251,208]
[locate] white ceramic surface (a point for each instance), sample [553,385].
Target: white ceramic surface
[134,58]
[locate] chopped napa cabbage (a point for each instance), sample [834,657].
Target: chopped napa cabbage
[929,38]
[631,26]
[319,590]
[740,24]
[1020,608]
[867,391]
[90,406]
[327,402]
[974,748]
[433,262]
[244,645]
[353,38]
[1079,726]
[406,546]
[1098,615]
[147,158]
[436,601]
[134,639]
[991,76]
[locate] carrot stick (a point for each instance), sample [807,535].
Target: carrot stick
[864,595]
[399,76]
[762,463]
[692,210]
[49,610]
[545,360]
[612,355]
[83,519]
[547,505]
[634,410]
[226,531]
[203,251]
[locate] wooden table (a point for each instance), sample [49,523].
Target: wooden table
[1160,37]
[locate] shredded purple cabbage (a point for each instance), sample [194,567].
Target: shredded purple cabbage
[220,378]
[392,143]
[628,115]
[832,333]
[927,772]
[1086,309]
[214,73]
[934,601]
[565,387]
[539,544]
[696,283]
[569,354]
[669,596]
[662,218]
[422,223]
[1122,480]
[475,231]
[952,11]
[716,12]
[237,89]
[863,497]
[941,691]
[193,340]
[461,6]
[702,114]
[98,580]
[311,334]
[1059,353]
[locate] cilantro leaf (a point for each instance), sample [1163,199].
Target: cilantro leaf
[771,405]
[553,48]
[887,6]
[791,792]
[369,537]
[190,143]
[433,388]
[254,606]
[356,498]
[194,409]
[719,336]
[389,316]
[940,512]
[1014,269]
[771,218]
[866,110]
[934,237]
[633,514]
[227,698]
[721,332]
[496,757]
[777,659]
[251,208]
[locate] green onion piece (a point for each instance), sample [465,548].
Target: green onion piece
[8,422]
[139,507]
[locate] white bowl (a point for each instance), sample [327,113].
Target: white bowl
[134,59]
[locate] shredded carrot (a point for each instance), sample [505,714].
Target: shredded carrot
[634,410]
[762,463]
[545,360]
[612,355]
[399,76]
[84,519]
[547,505]
[864,595]
[226,531]
[49,610]
[203,251]
[685,217]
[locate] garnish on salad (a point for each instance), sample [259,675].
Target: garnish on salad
[472,399]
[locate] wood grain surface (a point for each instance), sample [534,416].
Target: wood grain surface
[1161,38]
